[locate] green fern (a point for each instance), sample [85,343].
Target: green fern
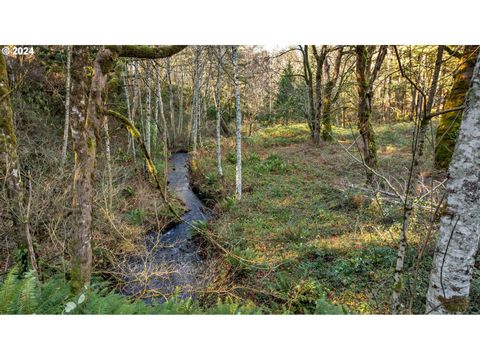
[8,292]
[23,294]
[18,295]
[27,298]
[54,293]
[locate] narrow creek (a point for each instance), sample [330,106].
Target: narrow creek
[172,259]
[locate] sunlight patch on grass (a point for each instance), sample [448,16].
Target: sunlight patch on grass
[297,214]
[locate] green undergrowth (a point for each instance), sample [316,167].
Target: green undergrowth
[310,234]
[22,294]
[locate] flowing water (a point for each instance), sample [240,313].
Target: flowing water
[172,260]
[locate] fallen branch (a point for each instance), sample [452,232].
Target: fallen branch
[445,111]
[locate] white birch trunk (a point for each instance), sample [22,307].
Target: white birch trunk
[196,100]
[148,107]
[109,162]
[170,100]
[165,136]
[67,106]
[205,101]
[131,140]
[180,102]
[136,95]
[454,258]
[156,110]
[138,105]
[192,110]
[219,111]
[238,126]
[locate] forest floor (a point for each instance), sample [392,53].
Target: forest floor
[308,225]
[306,230]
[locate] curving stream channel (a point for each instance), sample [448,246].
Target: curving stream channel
[172,259]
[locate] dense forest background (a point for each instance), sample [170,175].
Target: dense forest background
[323,168]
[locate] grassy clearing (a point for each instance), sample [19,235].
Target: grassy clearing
[303,215]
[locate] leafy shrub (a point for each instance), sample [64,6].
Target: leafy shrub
[232,157]
[252,158]
[305,296]
[210,178]
[273,164]
[227,203]
[135,216]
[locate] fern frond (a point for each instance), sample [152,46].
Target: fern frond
[27,294]
[8,291]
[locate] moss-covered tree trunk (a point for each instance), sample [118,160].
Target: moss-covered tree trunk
[319,59]
[10,177]
[329,97]
[365,109]
[449,124]
[307,74]
[86,120]
[365,79]
[9,162]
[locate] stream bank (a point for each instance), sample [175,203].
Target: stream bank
[172,262]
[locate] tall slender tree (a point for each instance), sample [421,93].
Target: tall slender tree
[171,106]
[148,108]
[238,126]
[422,121]
[66,125]
[131,140]
[218,98]
[108,158]
[10,170]
[84,139]
[194,123]
[329,97]
[165,138]
[9,166]
[429,102]
[319,59]
[307,75]
[180,105]
[206,99]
